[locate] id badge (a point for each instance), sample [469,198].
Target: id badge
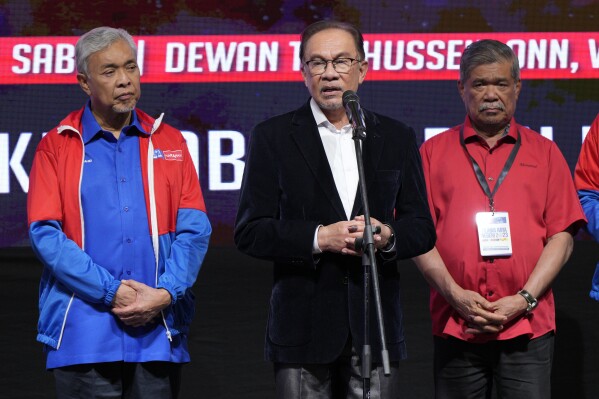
[494,234]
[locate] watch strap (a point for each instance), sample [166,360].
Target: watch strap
[530,300]
[391,242]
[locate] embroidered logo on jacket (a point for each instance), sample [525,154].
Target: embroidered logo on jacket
[176,155]
[169,155]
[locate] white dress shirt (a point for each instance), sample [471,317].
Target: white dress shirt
[341,153]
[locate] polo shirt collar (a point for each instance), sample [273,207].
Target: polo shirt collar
[470,134]
[91,127]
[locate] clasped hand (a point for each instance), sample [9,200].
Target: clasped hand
[483,316]
[340,237]
[137,304]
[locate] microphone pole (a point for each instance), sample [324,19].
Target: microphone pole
[356,118]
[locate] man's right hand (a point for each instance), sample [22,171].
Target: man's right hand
[479,313]
[124,296]
[332,238]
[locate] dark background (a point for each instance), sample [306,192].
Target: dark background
[232,291]
[227,334]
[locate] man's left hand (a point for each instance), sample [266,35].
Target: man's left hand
[147,305]
[380,240]
[510,306]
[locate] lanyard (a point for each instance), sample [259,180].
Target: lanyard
[481,177]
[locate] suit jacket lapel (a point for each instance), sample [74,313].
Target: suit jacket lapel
[306,136]
[372,149]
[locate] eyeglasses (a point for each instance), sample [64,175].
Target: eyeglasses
[340,65]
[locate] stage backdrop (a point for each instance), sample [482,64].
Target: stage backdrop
[217,68]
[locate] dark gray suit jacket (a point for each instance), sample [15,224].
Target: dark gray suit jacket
[287,191]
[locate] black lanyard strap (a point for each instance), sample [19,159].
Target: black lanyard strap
[481,177]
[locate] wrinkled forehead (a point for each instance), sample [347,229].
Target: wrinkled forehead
[117,52]
[492,71]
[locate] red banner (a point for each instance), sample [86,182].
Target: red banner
[274,58]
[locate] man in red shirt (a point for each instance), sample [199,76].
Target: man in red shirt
[505,211]
[586,180]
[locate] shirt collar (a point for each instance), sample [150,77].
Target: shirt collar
[91,127]
[470,134]
[321,119]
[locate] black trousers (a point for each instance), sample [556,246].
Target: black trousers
[338,380]
[156,380]
[519,368]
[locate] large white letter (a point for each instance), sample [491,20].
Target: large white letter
[65,58]
[141,51]
[269,55]
[195,56]
[296,60]
[246,55]
[42,57]
[216,159]
[4,168]
[375,55]
[594,53]
[18,53]
[388,62]
[13,162]
[175,57]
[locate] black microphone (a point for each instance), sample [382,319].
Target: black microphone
[351,102]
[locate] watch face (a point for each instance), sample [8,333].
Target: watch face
[532,305]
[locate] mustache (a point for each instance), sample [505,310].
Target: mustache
[494,105]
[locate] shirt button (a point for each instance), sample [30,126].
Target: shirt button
[126,209]
[490,178]
[123,179]
[128,272]
[128,241]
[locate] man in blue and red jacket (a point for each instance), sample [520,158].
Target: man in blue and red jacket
[586,179]
[117,217]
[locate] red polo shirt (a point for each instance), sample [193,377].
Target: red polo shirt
[538,194]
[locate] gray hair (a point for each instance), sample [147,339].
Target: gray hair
[487,51]
[96,40]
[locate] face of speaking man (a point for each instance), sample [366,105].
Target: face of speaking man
[327,88]
[490,94]
[112,81]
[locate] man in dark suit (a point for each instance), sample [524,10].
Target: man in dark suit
[300,206]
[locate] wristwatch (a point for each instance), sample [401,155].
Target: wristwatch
[531,300]
[390,241]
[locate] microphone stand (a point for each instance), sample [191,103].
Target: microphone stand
[370,271]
